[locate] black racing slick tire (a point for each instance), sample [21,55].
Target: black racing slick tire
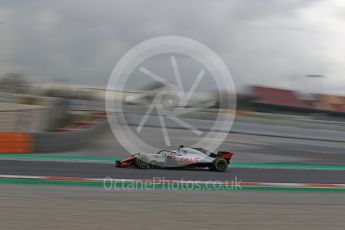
[117,164]
[220,165]
[141,163]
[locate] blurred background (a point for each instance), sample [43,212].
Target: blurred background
[287,104]
[286,59]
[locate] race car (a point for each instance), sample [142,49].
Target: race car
[180,158]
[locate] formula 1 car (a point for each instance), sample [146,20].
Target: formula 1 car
[181,158]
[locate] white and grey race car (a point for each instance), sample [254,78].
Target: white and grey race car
[180,158]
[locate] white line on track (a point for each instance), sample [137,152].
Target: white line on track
[153,181]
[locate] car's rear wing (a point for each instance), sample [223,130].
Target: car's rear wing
[226,155]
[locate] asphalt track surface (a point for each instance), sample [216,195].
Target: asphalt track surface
[97,170]
[55,207]
[247,148]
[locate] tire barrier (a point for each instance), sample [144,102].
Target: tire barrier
[16,142]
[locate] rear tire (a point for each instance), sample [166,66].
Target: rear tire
[219,164]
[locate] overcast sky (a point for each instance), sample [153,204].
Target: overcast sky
[271,42]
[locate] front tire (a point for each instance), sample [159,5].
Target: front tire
[141,163]
[220,165]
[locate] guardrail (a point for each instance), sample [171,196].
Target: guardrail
[67,140]
[21,142]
